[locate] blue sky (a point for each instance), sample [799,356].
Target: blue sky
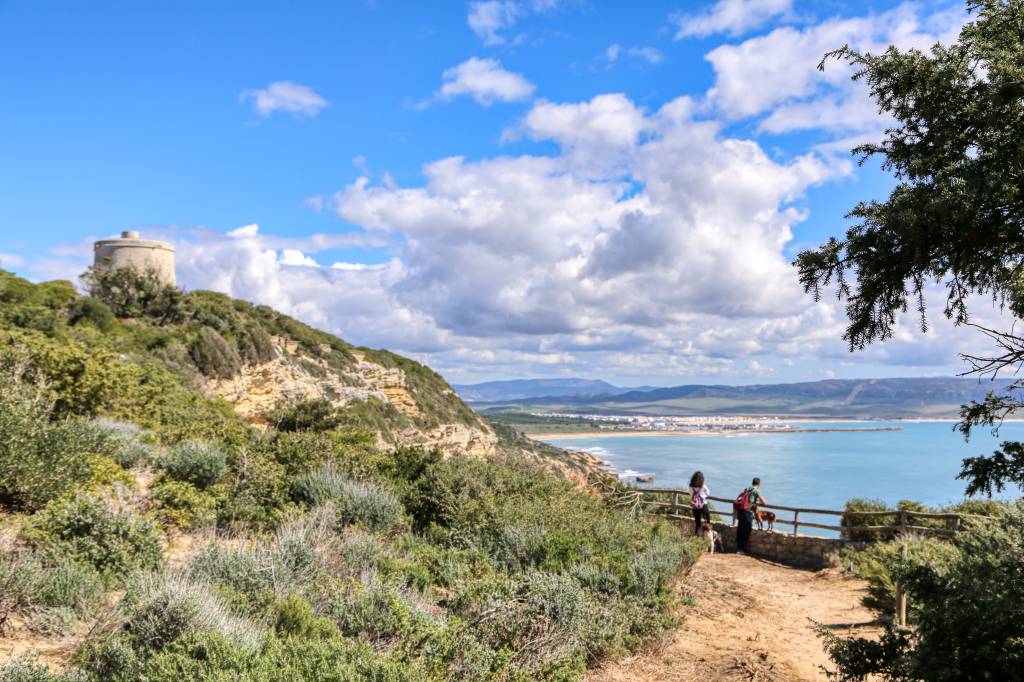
[579,234]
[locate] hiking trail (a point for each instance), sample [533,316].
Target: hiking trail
[749,619]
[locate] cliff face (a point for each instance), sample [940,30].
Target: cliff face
[293,375]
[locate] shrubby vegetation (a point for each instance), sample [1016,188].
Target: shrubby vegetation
[335,559]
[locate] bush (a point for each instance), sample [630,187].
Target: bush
[184,506]
[26,669]
[877,562]
[92,310]
[201,464]
[315,414]
[214,356]
[364,503]
[85,529]
[50,595]
[130,293]
[288,563]
[968,601]
[40,459]
[160,608]
[128,447]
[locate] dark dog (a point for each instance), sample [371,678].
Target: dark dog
[763,517]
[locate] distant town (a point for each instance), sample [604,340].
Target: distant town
[667,423]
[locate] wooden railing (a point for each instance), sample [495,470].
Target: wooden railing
[674,501]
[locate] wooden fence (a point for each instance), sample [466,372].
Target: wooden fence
[672,502]
[676,504]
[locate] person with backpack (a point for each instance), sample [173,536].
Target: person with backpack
[744,509]
[699,501]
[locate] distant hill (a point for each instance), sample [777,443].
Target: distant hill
[526,389]
[863,398]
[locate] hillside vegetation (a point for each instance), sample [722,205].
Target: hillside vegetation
[194,487]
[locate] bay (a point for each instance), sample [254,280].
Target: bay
[820,469]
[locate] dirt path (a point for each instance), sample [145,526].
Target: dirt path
[750,620]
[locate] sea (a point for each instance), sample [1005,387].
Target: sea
[816,469]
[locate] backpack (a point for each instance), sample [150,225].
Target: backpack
[742,502]
[696,501]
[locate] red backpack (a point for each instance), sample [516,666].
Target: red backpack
[742,501]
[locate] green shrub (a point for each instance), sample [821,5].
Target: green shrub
[130,293]
[214,356]
[159,608]
[201,464]
[286,563]
[51,621]
[184,506]
[26,669]
[379,613]
[93,311]
[51,595]
[85,529]
[315,414]
[367,504]
[967,597]
[878,562]
[294,617]
[40,459]
[128,447]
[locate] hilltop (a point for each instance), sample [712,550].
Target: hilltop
[195,487]
[849,398]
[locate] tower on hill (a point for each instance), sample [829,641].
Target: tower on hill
[131,251]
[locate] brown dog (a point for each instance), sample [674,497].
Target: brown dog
[763,517]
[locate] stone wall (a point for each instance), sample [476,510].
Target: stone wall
[801,551]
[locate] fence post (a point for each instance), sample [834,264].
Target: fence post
[675,502]
[796,522]
[901,596]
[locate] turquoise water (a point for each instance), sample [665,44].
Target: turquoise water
[813,469]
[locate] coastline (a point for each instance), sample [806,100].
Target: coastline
[563,435]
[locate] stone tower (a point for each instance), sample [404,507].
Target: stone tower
[130,251]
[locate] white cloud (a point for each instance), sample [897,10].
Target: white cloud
[485,81]
[733,17]
[652,55]
[776,74]
[296,257]
[299,100]
[10,260]
[250,230]
[488,18]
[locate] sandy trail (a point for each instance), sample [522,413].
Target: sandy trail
[750,620]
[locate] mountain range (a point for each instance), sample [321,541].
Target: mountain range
[863,398]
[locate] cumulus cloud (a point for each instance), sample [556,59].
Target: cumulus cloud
[299,100]
[733,17]
[486,81]
[774,76]
[684,233]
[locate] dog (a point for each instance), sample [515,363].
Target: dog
[763,517]
[710,535]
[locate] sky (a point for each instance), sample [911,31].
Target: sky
[499,188]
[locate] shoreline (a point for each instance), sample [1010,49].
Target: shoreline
[561,435]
